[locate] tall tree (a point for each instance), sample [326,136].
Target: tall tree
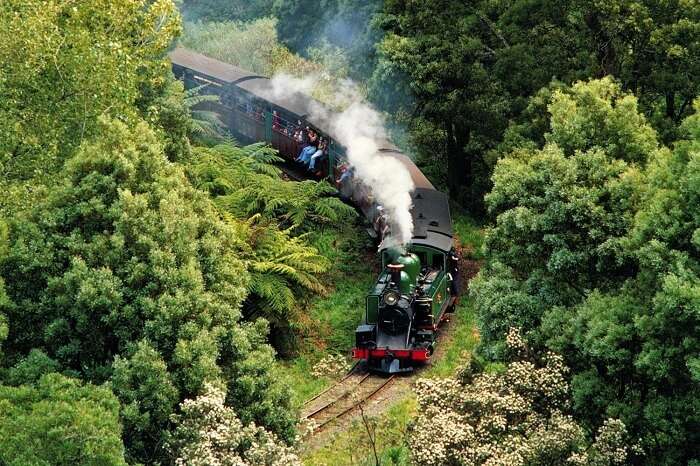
[593,254]
[636,348]
[469,69]
[127,259]
[64,63]
[331,26]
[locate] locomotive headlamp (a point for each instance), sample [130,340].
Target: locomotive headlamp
[391,298]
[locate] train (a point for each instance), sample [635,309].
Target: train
[419,285]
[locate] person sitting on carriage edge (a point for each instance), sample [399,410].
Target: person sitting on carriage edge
[308,151]
[322,150]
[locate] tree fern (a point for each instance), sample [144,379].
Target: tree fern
[246,182]
[280,265]
[203,122]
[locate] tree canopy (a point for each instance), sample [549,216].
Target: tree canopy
[592,255]
[59,421]
[65,63]
[127,273]
[458,74]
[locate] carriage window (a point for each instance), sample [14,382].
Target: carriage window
[438,261]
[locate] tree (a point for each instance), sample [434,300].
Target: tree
[562,212]
[460,73]
[433,53]
[635,348]
[233,10]
[59,421]
[593,253]
[127,259]
[209,433]
[148,397]
[320,27]
[517,416]
[64,63]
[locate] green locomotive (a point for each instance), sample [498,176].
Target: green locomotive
[415,291]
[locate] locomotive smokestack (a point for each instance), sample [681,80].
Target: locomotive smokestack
[395,271]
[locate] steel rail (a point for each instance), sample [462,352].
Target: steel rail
[351,408]
[335,401]
[345,377]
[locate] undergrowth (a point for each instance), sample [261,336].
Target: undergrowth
[330,320]
[352,448]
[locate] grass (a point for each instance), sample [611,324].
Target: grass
[352,447]
[461,342]
[331,319]
[470,232]
[336,315]
[296,374]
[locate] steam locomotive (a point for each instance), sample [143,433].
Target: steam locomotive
[414,293]
[418,286]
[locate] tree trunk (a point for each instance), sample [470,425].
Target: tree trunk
[671,105]
[459,173]
[605,50]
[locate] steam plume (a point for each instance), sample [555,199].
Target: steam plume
[360,128]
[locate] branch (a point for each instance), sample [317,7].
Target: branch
[372,438]
[493,28]
[682,109]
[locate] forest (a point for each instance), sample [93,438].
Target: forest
[169,296]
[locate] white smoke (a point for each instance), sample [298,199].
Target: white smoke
[360,129]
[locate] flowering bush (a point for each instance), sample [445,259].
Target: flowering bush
[209,433]
[332,365]
[513,417]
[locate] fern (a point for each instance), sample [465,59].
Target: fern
[247,183]
[270,215]
[203,122]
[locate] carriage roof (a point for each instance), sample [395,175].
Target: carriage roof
[432,223]
[222,72]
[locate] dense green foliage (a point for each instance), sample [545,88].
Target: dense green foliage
[128,257]
[244,184]
[128,260]
[218,10]
[592,254]
[58,421]
[458,73]
[141,270]
[64,63]
[318,28]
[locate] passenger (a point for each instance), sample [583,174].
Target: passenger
[345,183]
[346,174]
[320,152]
[386,231]
[309,149]
[276,121]
[381,222]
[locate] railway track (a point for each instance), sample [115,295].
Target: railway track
[340,399]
